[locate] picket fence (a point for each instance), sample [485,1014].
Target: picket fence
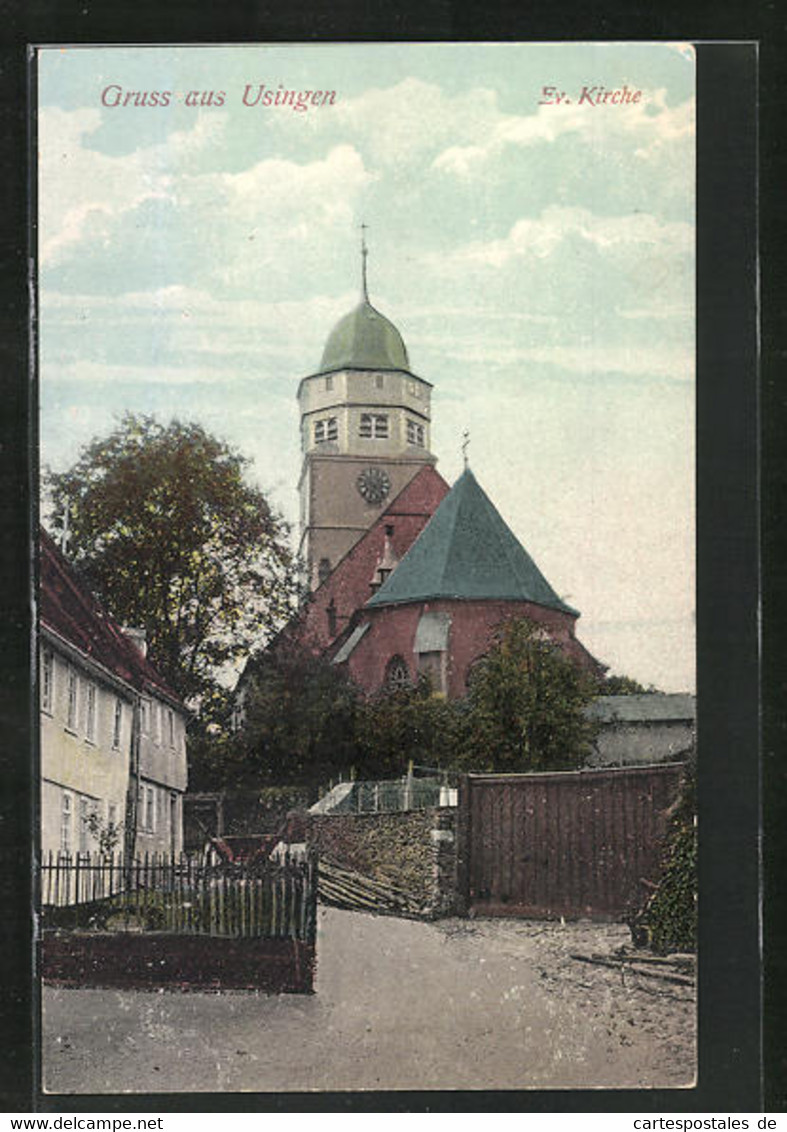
[268,898]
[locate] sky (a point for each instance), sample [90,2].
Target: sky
[533,245]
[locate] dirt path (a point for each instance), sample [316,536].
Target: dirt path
[399,1005]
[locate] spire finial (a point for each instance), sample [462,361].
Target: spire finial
[364,254]
[465,445]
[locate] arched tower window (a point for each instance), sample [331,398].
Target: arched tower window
[323,570]
[397,674]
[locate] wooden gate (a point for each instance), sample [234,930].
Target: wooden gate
[575,844]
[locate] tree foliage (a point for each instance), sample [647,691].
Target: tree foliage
[526,705]
[623,686]
[400,724]
[165,529]
[300,718]
[305,721]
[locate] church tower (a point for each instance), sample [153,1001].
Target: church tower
[365,432]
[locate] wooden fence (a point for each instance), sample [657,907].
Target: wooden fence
[272,899]
[575,843]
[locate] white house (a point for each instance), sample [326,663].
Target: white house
[113,742]
[651,727]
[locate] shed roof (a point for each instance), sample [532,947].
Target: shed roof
[647,707]
[467,552]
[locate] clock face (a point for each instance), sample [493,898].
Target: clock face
[373,484]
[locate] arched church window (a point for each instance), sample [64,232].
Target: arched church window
[324,569]
[397,674]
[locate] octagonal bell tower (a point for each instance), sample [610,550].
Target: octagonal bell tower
[365,432]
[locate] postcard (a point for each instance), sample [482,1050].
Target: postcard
[366,645]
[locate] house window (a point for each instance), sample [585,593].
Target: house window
[397,674]
[379,380]
[117,723]
[415,433]
[150,809]
[329,381]
[84,830]
[112,816]
[66,815]
[171,727]
[326,429]
[144,709]
[73,694]
[413,389]
[156,728]
[47,680]
[374,425]
[90,712]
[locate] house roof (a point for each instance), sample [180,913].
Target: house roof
[68,608]
[648,707]
[467,552]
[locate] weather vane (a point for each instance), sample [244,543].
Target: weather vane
[465,445]
[364,254]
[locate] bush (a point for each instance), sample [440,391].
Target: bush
[668,922]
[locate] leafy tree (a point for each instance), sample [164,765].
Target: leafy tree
[623,686]
[166,530]
[526,705]
[300,718]
[408,723]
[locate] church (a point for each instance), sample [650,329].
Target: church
[406,575]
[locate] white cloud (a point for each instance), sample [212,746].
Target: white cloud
[651,123]
[80,186]
[540,237]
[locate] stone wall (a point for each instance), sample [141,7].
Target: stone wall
[413,850]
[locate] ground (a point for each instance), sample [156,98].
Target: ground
[399,1004]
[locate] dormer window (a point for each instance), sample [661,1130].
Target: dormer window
[415,433]
[326,429]
[374,426]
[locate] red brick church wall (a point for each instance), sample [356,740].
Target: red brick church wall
[349,585]
[392,631]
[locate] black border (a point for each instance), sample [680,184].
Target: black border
[730,1064]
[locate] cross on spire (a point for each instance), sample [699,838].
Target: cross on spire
[465,445]
[364,255]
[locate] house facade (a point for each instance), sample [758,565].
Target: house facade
[112,733]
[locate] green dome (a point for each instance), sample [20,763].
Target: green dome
[364,339]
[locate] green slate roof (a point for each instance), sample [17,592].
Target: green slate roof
[466,551]
[364,339]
